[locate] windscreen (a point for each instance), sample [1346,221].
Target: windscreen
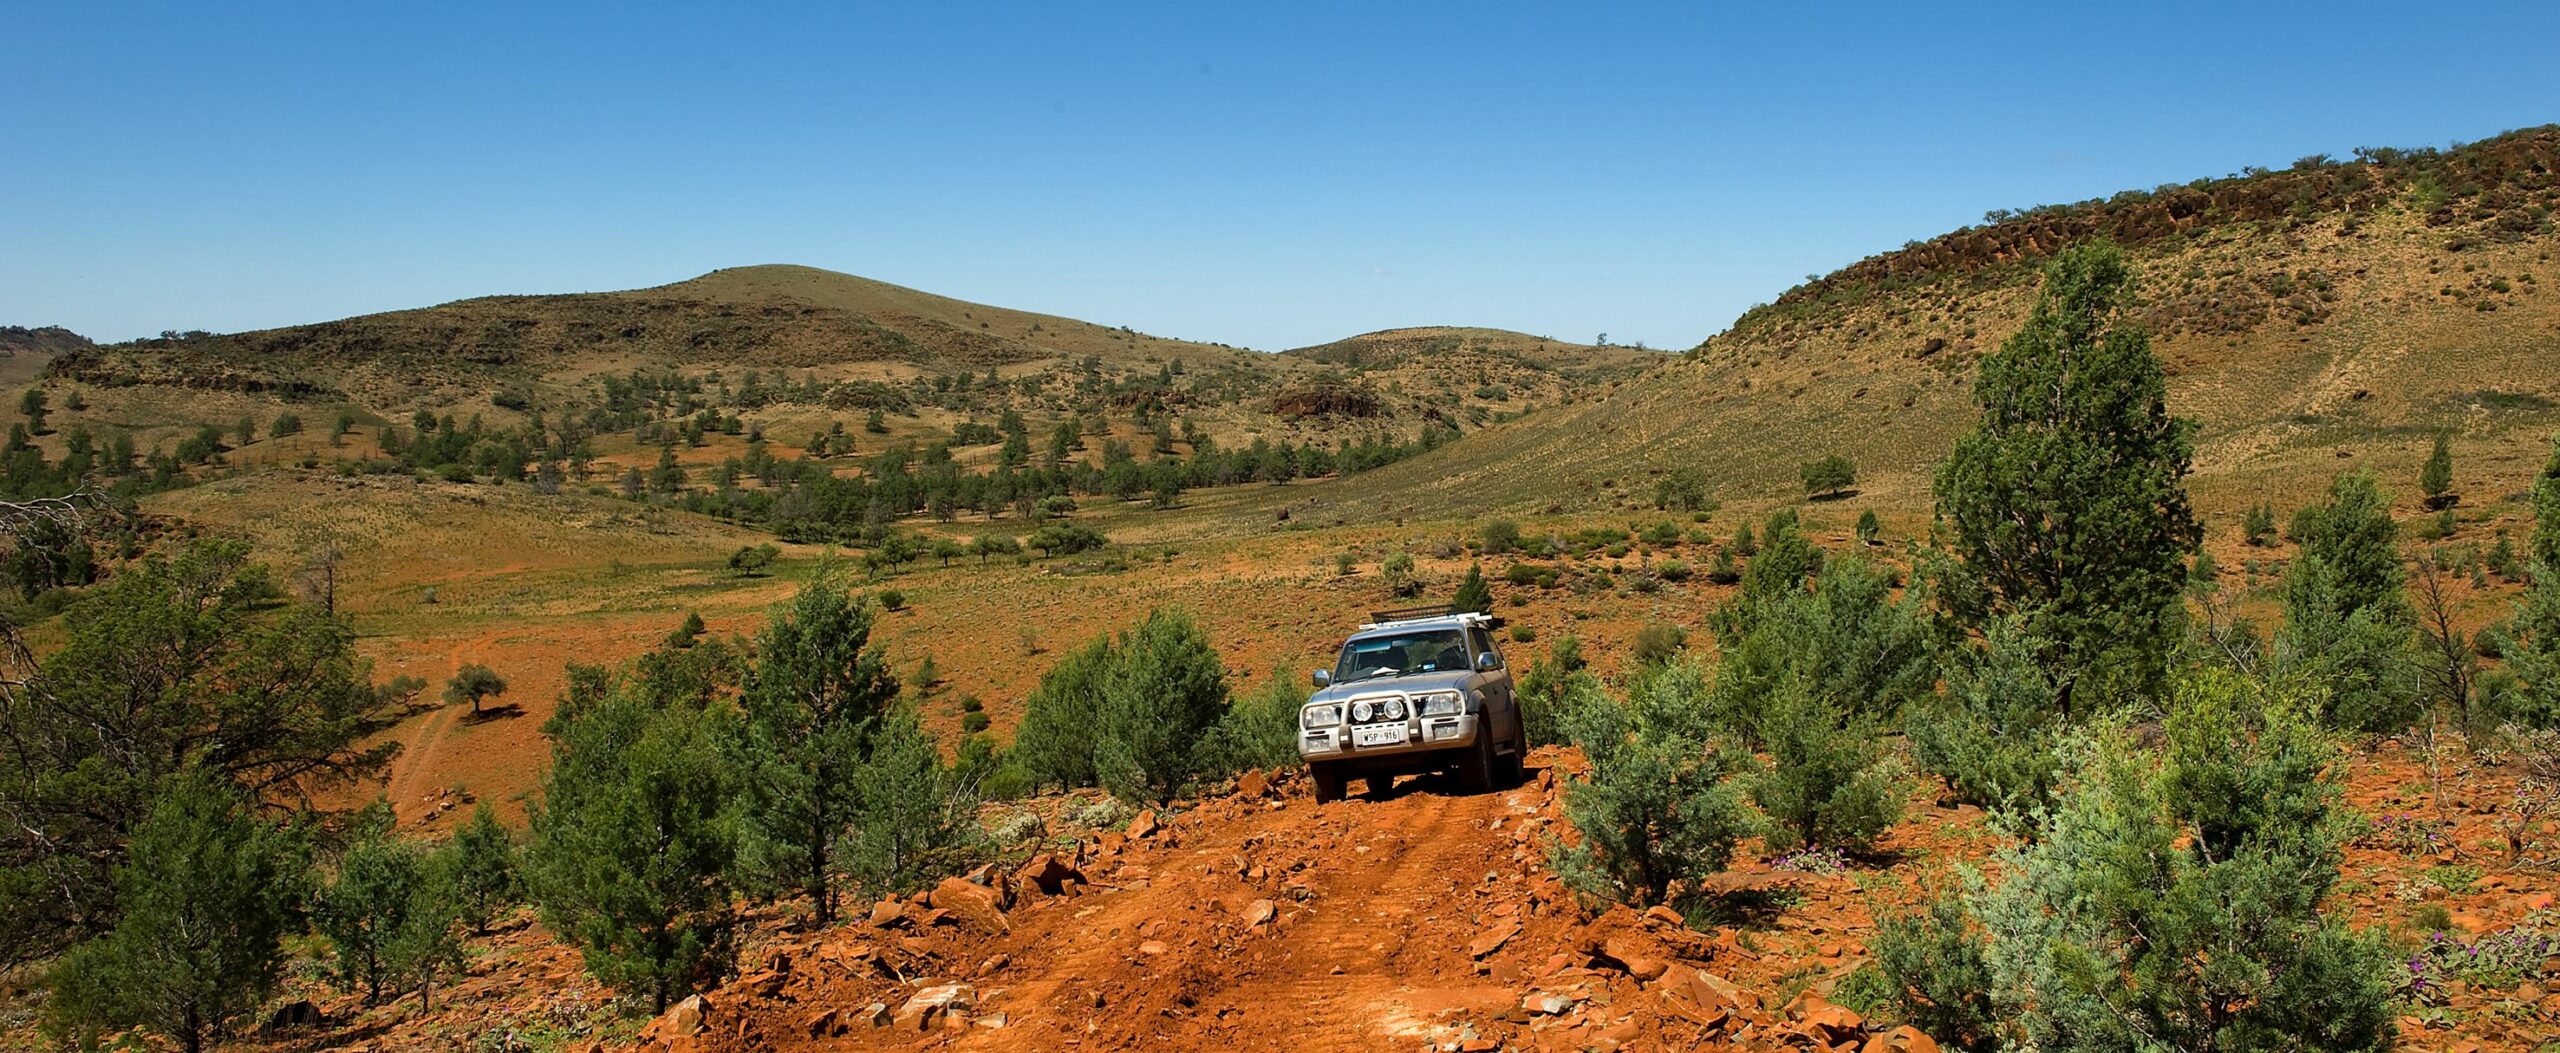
[1402,654]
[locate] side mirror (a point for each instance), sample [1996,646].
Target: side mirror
[1323,678]
[1488,662]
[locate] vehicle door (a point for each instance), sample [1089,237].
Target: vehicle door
[1494,686]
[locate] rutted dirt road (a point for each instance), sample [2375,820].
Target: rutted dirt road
[1422,919]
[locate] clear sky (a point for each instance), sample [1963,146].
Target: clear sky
[1268,176]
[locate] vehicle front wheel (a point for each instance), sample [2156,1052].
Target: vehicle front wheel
[1475,766]
[1328,780]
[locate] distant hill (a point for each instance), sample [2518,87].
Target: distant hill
[48,340]
[2334,314]
[962,361]
[1389,348]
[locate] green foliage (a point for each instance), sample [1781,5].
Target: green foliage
[1054,743]
[479,865]
[2545,540]
[1500,536]
[2346,631]
[1849,642]
[754,560]
[389,915]
[174,664]
[1828,474]
[1065,539]
[1555,682]
[1682,489]
[915,818]
[2072,512]
[818,692]
[1786,559]
[208,891]
[1656,643]
[471,684]
[1661,806]
[2258,525]
[1992,732]
[1158,703]
[1473,594]
[2173,902]
[2435,477]
[1831,781]
[2530,643]
[637,829]
[2352,534]
[1869,527]
[1398,573]
[1259,730]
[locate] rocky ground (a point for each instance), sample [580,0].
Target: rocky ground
[1421,919]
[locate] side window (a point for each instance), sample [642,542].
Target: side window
[1477,642]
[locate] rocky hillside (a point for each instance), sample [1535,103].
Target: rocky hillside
[2332,314]
[811,326]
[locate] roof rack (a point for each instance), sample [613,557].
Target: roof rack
[1381,619]
[1412,614]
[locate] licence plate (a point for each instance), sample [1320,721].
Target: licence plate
[1382,735]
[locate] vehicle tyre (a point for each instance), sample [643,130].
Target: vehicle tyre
[1476,765]
[1328,781]
[1379,784]
[1514,769]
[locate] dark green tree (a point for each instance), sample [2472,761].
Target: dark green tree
[479,865]
[2435,477]
[1158,701]
[1473,594]
[815,703]
[2067,505]
[474,683]
[1054,743]
[635,835]
[387,913]
[1828,475]
[209,891]
[174,664]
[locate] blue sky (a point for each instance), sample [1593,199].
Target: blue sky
[1267,177]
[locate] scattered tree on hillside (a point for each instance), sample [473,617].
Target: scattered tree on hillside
[2545,542]
[1682,489]
[1397,571]
[471,684]
[2258,525]
[1474,595]
[33,405]
[754,560]
[2435,478]
[2072,511]
[1829,475]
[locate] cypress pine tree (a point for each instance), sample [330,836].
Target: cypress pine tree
[2067,506]
[1473,594]
[816,697]
[208,892]
[2435,477]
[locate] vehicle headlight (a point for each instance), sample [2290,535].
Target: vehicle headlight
[1323,716]
[1442,704]
[1360,711]
[1392,709]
